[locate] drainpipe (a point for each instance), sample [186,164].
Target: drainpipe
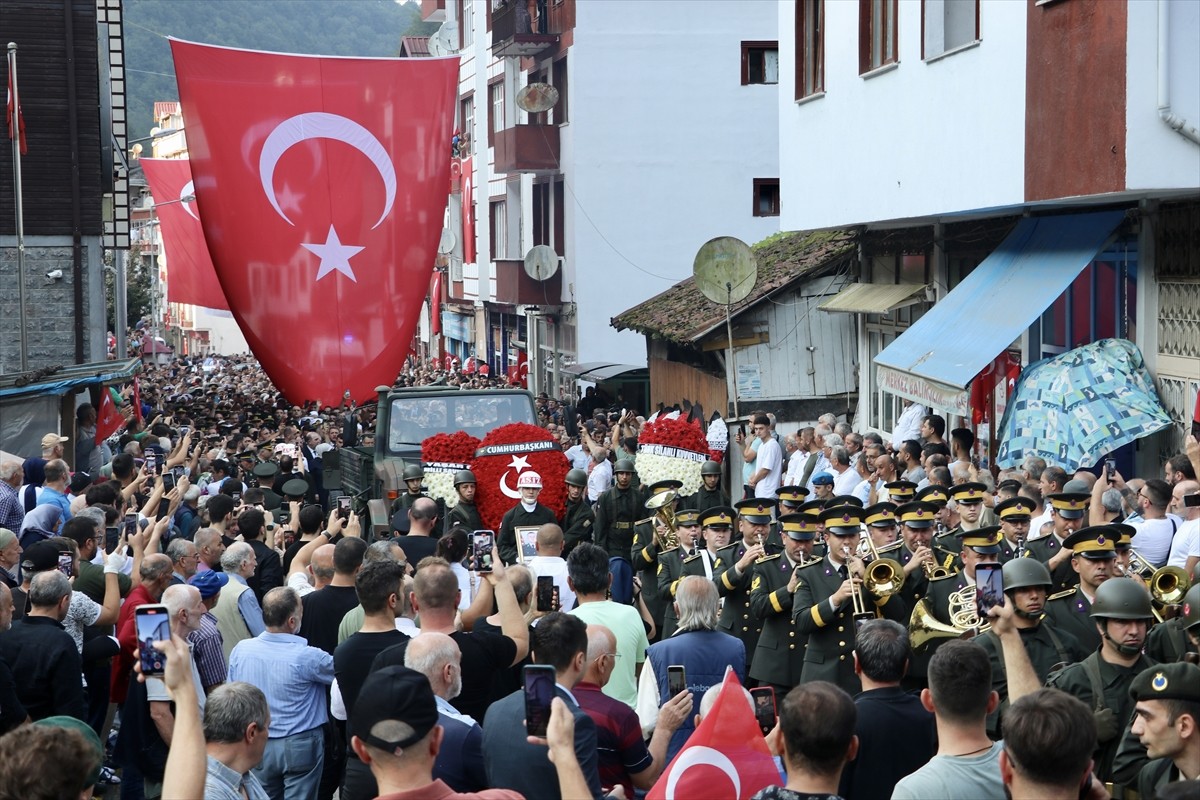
[1176,122]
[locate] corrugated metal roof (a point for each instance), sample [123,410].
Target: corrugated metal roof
[682,314]
[414,46]
[165,108]
[874,298]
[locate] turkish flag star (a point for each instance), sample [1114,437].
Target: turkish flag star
[335,256]
[519,463]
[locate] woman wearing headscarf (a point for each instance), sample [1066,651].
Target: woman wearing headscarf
[40,523]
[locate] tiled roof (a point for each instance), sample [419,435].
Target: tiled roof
[414,46]
[165,108]
[682,314]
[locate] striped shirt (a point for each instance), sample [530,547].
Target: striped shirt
[294,676]
[210,655]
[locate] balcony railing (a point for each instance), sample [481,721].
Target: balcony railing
[515,287]
[527,148]
[514,32]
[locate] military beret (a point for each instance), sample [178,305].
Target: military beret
[1177,681]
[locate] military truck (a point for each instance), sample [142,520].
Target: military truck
[405,418]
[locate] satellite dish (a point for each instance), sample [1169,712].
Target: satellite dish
[541,262]
[537,97]
[435,47]
[446,243]
[725,270]
[446,38]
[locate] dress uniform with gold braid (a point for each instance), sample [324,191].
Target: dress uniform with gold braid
[813,510]
[1071,610]
[677,563]
[1068,505]
[643,555]
[900,492]
[788,501]
[736,618]
[920,515]
[779,657]
[1014,510]
[962,494]
[831,631]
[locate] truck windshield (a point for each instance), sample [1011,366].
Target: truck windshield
[414,419]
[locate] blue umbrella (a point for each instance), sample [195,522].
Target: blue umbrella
[1074,408]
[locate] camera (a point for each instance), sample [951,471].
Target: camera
[55,274]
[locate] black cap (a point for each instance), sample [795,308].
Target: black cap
[395,709]
[756,510]
[40,557]
[296,487]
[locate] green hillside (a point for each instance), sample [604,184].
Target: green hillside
[330,27]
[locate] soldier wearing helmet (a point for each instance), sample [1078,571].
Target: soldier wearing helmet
[618,510]
[578,517]
[464,514]
[710,494]
[1026,583]
[1121,613]
[1177,637]
[413,476]
[528,513]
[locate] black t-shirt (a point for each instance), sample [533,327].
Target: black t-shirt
[483,654]
[290,553]
[416,548]
[504,681]
[323,612]
[353,658]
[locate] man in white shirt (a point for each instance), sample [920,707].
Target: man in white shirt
[1155,531]
[549,562]
[1185,546]
[909,424]
[799,459]
[768,472]
[600,479]
[845,479]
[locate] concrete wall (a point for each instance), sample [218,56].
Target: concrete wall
[660,152]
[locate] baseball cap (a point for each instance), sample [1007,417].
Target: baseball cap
[52,439]
[209,582]
[395,709]
[39,557]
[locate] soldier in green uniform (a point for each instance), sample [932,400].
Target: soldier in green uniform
[651,537]
[413,476]
[617,510]
[779,656]
[813,510]
[464,514]
[671,564]
[265,472]
[710,494]
[916,524]
[1026,582]
[1014,515]
[1167,720]
[900,492]
[1172,640]
[824,605]
[968,500]
[789,498]
[1102,680]
[578,516]
[733,573]
[880,520]
[1067,510]
[1093,558]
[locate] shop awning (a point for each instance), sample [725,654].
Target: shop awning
[70,378]
[604,370]
[874,298]
[935,359]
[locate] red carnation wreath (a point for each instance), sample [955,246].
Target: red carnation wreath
[674,433]
[443,455]
[671,449]
[502,456]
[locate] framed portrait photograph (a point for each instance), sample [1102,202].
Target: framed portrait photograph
[526,543]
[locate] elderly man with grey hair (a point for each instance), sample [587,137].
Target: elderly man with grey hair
[187,518]
[42,657]
[236,722]
[703,651]
[12,512]
[184,557]
[239,616]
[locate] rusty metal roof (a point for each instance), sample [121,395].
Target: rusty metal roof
[682,314]
[414,46]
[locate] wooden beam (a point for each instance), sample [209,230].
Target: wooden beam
[746,341]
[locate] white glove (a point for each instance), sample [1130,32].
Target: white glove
[114,562]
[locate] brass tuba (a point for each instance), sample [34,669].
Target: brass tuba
[924,627]
[1167,585]
[664,511]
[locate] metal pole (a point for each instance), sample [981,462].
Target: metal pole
[120,307]
[16,146]
[732,359]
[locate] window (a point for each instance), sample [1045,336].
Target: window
[495,109]
[766,197]
[560,82]
[466,121]
[540,117]
[499,229]
[876,34]
[947,25]
[466,35]
[760,62]
[810,48]
[541,213]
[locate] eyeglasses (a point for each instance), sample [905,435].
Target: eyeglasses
[613,656]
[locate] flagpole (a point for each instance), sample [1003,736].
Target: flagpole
[15,134]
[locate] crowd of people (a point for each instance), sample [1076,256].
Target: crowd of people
[311,654]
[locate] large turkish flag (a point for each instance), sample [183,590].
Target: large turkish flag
[190,274]
[323,183]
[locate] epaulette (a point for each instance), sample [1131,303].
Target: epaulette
[1064,593]
[768,558]
[692,557]
[668,550]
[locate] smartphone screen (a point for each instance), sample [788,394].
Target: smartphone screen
[64,563]
[545,593]
[539,692]
[168,481]
[152,463]
[989,589]
[237,496]
[153,625]
[344,506]
[111,537]
[764,707]
[131,520]
[676,680]
[1110,466]
[482,544]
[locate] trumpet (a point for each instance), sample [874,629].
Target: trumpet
[933,571]
[1167,585]
[883,576]
[861,614]
[664,511]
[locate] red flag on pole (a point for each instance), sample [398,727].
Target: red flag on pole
[191,278]
[726,758]
[108,418]
[323,183]
[468,211]
[13,115]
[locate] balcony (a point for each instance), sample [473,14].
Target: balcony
[433,10]
[514,33]
[527,148]
[515,287]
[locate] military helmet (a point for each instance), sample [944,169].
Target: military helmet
[464,476]
[623,465]
[1191,608]
[1020,573]
[710,467]
[1122,598]
[414,472]
[576,477]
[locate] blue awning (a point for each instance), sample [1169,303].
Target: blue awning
[935,359]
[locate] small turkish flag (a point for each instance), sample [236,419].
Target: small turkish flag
[108,419]
[323,183]
[726,758]
[191,277]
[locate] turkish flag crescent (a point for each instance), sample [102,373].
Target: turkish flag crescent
[108,419]
[726,758]
[323,183]
[190,275]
